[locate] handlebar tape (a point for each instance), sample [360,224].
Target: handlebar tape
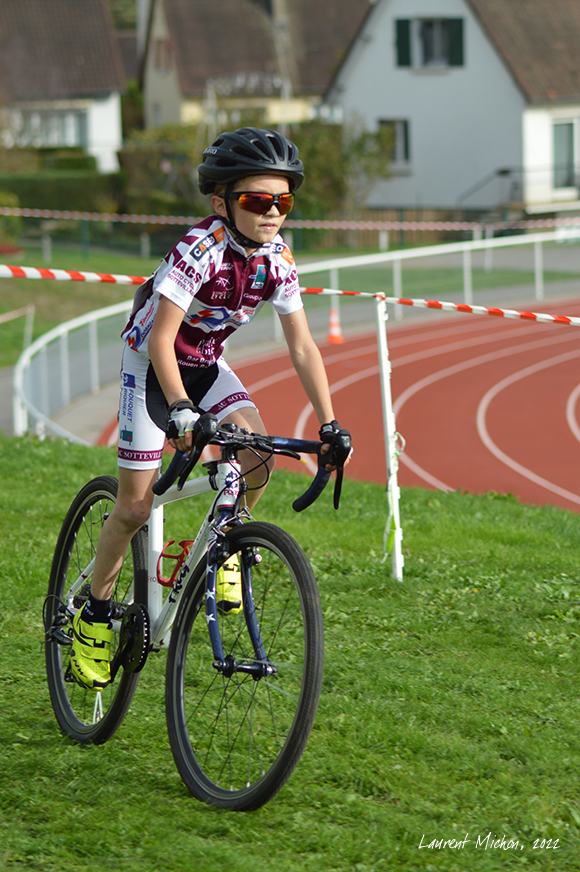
[182,463]
[313,492]
[177,466]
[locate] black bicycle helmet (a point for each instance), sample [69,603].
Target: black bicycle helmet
[249,152]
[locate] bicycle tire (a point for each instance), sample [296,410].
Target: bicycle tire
[237,740]
[85,715]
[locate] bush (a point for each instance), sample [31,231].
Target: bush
[10,227]
[62,189]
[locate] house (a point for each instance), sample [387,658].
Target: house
[482,97]
[61,77]
[207,61]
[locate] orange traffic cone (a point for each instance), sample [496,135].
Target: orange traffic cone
[334,334]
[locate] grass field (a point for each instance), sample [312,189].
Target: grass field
[60,301]
[449,709]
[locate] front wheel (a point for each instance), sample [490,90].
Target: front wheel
[88,715]
[237,738]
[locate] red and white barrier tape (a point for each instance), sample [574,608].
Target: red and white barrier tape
[28,272]
[457,307]
[189,220]
[62,275]
[17,313]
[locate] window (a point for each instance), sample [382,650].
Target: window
[399,128]
[564,163]
[52,128]
[162,57]
[427,43]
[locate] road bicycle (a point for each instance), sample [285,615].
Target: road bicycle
[241,689]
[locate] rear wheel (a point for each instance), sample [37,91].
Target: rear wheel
[88,715]
[237,738]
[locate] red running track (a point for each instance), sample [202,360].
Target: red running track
[483,403]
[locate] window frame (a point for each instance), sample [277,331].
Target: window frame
[410,43]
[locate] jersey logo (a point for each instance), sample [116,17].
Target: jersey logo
[208,242]
[259,277]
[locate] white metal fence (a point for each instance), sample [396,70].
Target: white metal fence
[81,356]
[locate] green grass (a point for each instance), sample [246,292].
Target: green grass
[450,702]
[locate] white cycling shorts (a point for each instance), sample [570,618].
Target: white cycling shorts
[143,407]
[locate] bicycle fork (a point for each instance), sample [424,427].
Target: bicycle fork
[228,478]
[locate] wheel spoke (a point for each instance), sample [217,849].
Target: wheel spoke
[237,736]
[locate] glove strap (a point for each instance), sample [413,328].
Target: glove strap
[327,431]
[181,404]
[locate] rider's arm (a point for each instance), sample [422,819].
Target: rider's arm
[307,362]
[309,366]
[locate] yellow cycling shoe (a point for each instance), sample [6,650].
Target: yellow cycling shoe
[90,653]
[229,587]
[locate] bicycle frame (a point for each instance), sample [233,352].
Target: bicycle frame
[225,477]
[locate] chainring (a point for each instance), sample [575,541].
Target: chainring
[135,638]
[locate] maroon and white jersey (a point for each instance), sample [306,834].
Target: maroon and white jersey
[209,275]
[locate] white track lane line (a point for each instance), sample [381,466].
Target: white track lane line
[571,412]
[454,370]
[495,450]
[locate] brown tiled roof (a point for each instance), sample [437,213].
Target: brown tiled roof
[322,32]
[539,40]
[57,49]
[219,39]
[127,42]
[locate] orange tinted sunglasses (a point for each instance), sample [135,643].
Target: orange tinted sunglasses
[260,203]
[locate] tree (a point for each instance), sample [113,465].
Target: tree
[342,165]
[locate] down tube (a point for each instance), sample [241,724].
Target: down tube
[393,530]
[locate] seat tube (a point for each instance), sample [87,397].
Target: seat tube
[154,549]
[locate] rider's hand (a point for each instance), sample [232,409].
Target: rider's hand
[181,418]
[327,434]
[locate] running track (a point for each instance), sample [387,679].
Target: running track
[484,403]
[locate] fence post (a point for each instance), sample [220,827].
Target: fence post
[393,532]
[398,287]
[28,327]
[488,256]
[64,370]
[539,269]
[46,248]
[145,245]
[19,410]
[94,357]
[467,278]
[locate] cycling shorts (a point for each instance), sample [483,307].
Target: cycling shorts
[143,407]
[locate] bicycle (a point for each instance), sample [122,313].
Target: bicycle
[239,711]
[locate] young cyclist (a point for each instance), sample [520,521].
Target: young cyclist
[213,281]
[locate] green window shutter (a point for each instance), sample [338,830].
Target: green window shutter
[403,41]
[455,37]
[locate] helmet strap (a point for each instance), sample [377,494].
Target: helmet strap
[244,241]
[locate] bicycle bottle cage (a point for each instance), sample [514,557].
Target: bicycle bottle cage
[185,546]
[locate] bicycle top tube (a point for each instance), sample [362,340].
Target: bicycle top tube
[231,440]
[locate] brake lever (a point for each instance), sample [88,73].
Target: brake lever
[338,455]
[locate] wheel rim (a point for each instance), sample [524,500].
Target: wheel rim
[85,709]
[239,727]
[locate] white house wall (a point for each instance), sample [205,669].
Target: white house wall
[104,132]
[464,122]
[539,156]
[163,101]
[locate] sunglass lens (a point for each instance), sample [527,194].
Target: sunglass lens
[262,203]
[285,203]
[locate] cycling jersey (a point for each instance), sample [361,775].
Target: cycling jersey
[210,276]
